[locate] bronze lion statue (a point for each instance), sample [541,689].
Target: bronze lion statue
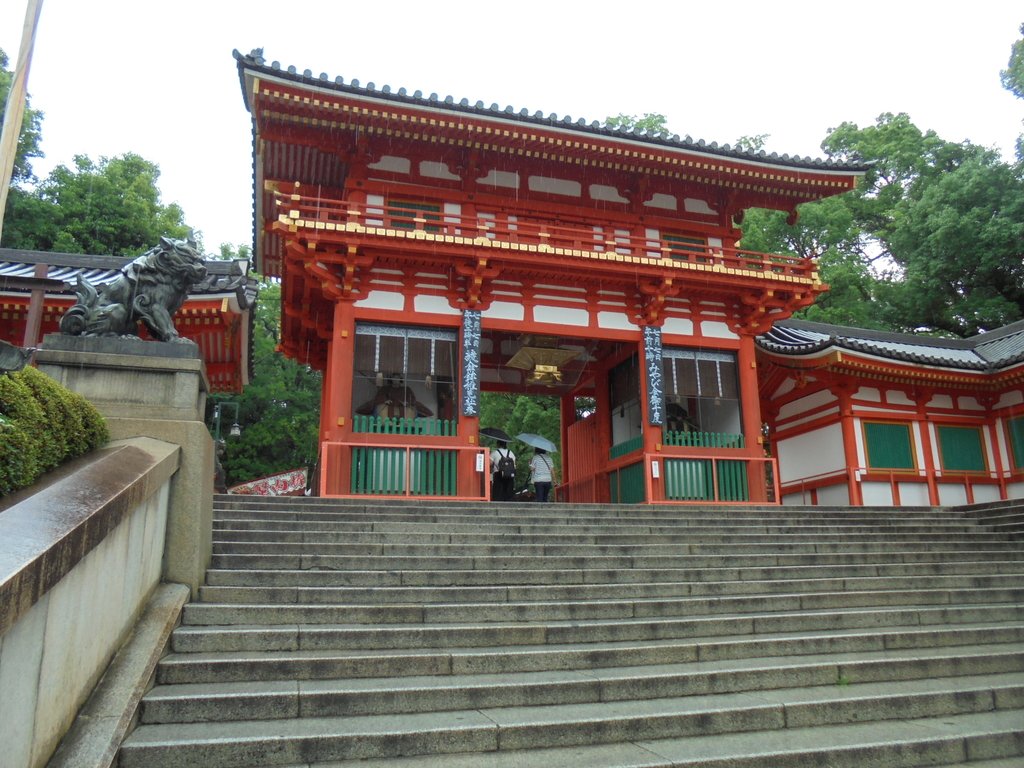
[148,290]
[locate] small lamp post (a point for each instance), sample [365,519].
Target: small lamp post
[218,410]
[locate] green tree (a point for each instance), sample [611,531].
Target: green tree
[279,411]
[539,414]
[30,136]
[651,122]
[1013,80]
[943,219]
[107,207]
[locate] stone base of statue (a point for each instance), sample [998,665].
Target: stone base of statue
[151,389]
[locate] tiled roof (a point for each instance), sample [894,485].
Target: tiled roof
[18,266]
[255,62]
[984,352]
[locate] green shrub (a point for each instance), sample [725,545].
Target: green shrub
[42,425]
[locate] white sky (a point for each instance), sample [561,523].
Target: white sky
[158,79]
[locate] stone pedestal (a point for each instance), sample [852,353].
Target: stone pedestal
[151,389]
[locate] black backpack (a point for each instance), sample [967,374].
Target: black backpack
[506,466]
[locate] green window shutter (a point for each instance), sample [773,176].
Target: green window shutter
[1015,427]
[960,449]
[888,445]
[685,248]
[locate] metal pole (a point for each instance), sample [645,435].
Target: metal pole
[15,109]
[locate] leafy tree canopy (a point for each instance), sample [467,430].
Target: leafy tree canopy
[651,122]
[31,122]
[514,413]
[108,207]
[1013,80]
[279,411]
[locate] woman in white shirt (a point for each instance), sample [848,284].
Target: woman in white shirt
[541,472]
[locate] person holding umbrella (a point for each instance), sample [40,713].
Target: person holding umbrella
[503,465]
[541,469]
[541,472]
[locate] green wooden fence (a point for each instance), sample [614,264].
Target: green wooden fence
[702,439]
[379,425]
[626,446]
[693,480]
[626,484]
[382,471]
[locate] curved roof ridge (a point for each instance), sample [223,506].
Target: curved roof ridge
[255,60]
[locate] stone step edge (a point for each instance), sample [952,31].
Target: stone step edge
[514,728]
[1002,669]
[937,740]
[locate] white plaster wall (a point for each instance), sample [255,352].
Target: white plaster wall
[914,494]
[1013,397]
[616,321]
[814,400]
[834,496]
[382,300]
[679,326]
[940,401]
[983,493]
[716,330]
[1015,490]
[876,494]
[561,315]
[504,310]
[951,494]
[437,305]
[870,394]
[53,656]
[810,454]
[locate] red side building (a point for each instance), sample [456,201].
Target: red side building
[37,287]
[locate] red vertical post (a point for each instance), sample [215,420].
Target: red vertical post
[750,408]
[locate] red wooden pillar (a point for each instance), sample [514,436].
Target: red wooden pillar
[34,320]
[750,408]
[568,418]
[336,404]
[921,399]
[848,426]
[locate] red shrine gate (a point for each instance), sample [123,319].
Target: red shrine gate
[430,250]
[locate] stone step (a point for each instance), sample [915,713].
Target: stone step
[737,549]
[317,739]
[269,697]
[564,610]
[512,648]
[332,578]
[961,740]
[456,562]
[502,593]
[482,520]
[495,529]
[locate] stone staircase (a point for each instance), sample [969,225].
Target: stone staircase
[520,636]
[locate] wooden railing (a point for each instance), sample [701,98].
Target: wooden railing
[525,233]
[424,471]
[383,425]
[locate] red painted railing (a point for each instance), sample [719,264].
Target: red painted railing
[514,232]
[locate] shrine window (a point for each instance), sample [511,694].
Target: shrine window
[889,446]
[702,404]
[1015,432]
[404,380]
[414,214]
[686,247]
[626,414]
[961,449]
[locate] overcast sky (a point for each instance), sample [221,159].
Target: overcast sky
[157,78]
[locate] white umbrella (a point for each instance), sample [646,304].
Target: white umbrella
[537,441]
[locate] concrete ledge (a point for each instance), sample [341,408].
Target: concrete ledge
[110,712]
[49,528]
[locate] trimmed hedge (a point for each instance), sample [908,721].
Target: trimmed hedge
[42,425]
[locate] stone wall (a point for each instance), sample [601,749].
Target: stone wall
[82,553]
